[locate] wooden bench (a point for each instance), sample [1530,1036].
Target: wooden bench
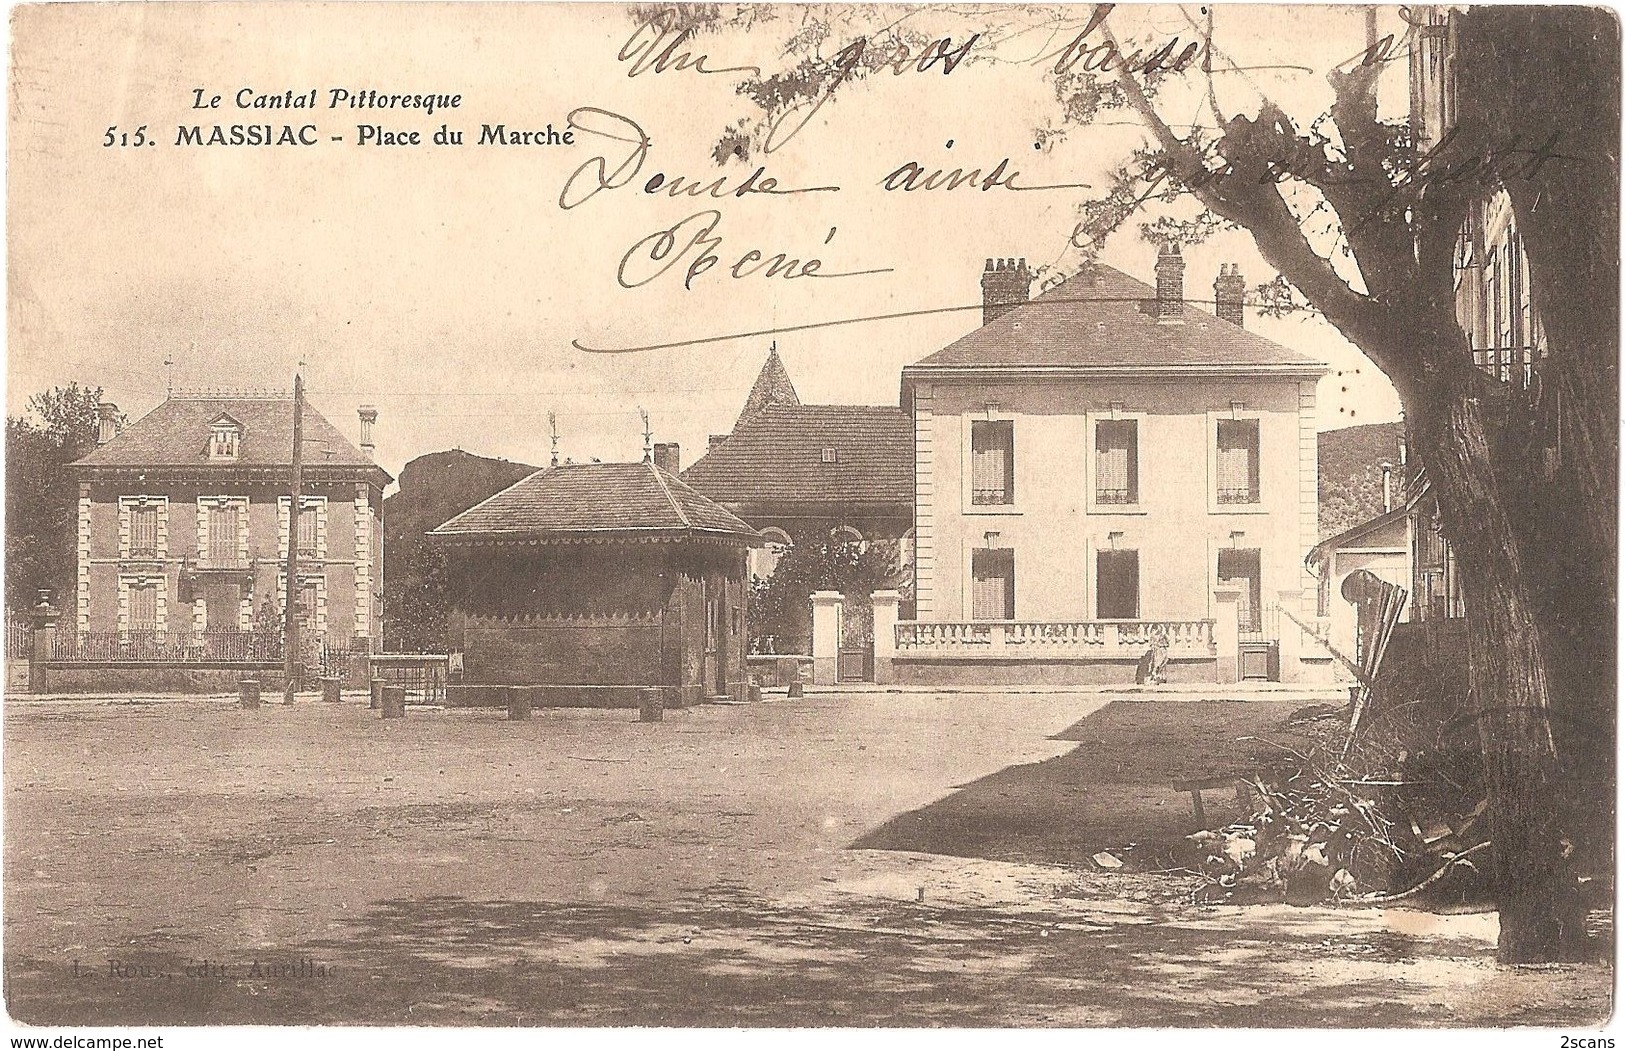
[1244,793]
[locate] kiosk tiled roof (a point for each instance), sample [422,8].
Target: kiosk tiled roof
[595,499]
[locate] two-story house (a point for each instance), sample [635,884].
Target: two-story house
[1104,470]
[185,517]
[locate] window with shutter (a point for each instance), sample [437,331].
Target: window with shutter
[144,531]
[1237,462]
[1117,462]
[992,446]
[143,607]
[307,531]
[223,533]
[993,584]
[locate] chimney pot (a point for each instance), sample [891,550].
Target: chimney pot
[1005,286]
[1170,285]
[1229,295]
[106,422]
[369,416]
[667,457]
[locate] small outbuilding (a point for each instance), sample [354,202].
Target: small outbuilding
[595,583]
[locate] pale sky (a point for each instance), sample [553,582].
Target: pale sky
[445,284]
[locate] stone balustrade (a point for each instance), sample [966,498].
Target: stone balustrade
[1117,639]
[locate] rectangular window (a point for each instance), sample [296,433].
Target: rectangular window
[223,531]
[992,450]
[144,607]
[307,531]
[993,584]
[1117,585]
[1238,462]
[144,531]
[1238,568]
[1515,299]
[1497,300]
[1117,462]
[307,602]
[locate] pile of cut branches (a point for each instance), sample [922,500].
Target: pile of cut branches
[1396,815]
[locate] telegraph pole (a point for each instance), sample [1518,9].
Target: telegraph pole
[290,604]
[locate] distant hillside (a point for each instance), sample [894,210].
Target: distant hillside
[1351,473]
[433,488]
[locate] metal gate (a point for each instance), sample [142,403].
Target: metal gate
[855,659]
[1259,656]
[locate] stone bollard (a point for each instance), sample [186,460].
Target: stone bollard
[248,694]
[755,693]
[330,688]
[651,706]
[795,686]
[518,704]
[377,694]
[394,702]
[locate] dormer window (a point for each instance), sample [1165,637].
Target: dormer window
[225,438]
[829,455]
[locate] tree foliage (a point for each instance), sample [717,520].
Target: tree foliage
[42,497]
[417,609]
[817,560]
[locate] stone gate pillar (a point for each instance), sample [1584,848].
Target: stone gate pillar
[45,617]
[826,636]
[1291,642]
[1227,633]
[885,607]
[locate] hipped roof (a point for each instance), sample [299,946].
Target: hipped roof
[605,500]
[1095,321]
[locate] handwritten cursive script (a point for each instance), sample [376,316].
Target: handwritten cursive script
[601,173]
[694,238]
[644,50]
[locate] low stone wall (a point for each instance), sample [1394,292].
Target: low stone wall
[111,678]
[484,696]
[1082,671]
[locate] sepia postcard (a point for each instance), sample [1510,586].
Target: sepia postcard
[786,516]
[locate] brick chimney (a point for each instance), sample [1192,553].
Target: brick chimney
[1229,293]
[1170,285]
[1006,284]
[369,416]
[666,457]
[715,440]
[106,422]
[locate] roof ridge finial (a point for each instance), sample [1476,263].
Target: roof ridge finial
[648,437]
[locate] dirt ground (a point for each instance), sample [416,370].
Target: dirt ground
[875,859]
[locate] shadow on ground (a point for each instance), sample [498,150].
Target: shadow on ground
[1113,789]
[737,960]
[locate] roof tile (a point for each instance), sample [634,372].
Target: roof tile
[778,456]
[177,433]
[595,498]
[1095,320]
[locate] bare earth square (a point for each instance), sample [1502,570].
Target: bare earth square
[882,859]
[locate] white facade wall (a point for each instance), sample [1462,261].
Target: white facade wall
[1177,526]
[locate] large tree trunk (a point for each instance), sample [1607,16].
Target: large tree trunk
[1509,674]
[1525,481]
